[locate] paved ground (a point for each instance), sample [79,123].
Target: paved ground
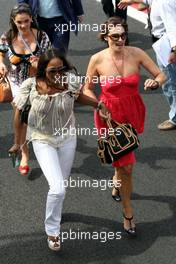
[22,200]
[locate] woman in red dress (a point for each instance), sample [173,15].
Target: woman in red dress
[118,68]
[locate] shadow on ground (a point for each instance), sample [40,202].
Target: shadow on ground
[32,249]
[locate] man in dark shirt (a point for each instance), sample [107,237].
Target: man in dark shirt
[110,11]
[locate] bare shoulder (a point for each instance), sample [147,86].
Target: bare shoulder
[98,57]
[35,31]
[136,52]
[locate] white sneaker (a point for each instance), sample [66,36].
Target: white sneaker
[54,243]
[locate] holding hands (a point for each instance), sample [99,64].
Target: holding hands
[103,111]
[34,61]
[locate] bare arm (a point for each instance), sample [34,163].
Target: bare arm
[87,100]
[99,106]
[19,103]
[151,67]
[3,50]
[17,135]
[124,3]
[3,68]
[91,76]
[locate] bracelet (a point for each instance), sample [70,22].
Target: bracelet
[99,106]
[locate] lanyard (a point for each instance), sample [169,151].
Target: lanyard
[26,44]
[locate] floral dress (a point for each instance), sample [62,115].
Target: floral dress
[20,63]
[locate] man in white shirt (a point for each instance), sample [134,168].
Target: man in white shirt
[163,20]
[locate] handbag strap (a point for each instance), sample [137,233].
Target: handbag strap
[120,71]
[109,123]
[5,78]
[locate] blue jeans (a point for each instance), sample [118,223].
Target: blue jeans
[169,88]
[57,30]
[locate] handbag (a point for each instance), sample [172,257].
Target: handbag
[120,140]
[5,91]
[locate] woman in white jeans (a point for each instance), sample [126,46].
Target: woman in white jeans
[51,119]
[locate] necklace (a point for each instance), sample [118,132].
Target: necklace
[120,69]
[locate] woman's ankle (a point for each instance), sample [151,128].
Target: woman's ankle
[128,211]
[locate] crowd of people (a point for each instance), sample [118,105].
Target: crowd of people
[37,57]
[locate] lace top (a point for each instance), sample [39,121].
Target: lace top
[51,118]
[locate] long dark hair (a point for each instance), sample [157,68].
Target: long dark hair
[16,10]
[46,57]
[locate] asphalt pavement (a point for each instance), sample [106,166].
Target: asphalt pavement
[91,209]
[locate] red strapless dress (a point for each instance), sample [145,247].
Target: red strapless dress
[121,96]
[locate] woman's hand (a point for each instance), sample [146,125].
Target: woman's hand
[172,57]
[104,111]
[124,3]
[34,61]
[151,84]
[3,69]
[81,18]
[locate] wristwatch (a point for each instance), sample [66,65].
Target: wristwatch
[174,50]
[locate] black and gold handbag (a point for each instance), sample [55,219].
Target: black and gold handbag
[119,140]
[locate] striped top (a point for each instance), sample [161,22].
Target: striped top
[51,117]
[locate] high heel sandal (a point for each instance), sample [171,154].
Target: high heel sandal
[23,170]
[54,243]
[117,196]
[132,230]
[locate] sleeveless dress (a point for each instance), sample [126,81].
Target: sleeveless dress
[121,96]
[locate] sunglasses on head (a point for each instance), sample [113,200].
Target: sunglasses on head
[22,8]
[57,70]
[117,36]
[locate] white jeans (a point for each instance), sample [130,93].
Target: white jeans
[56,165]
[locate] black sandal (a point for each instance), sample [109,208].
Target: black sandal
[132,230]
[116,197]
